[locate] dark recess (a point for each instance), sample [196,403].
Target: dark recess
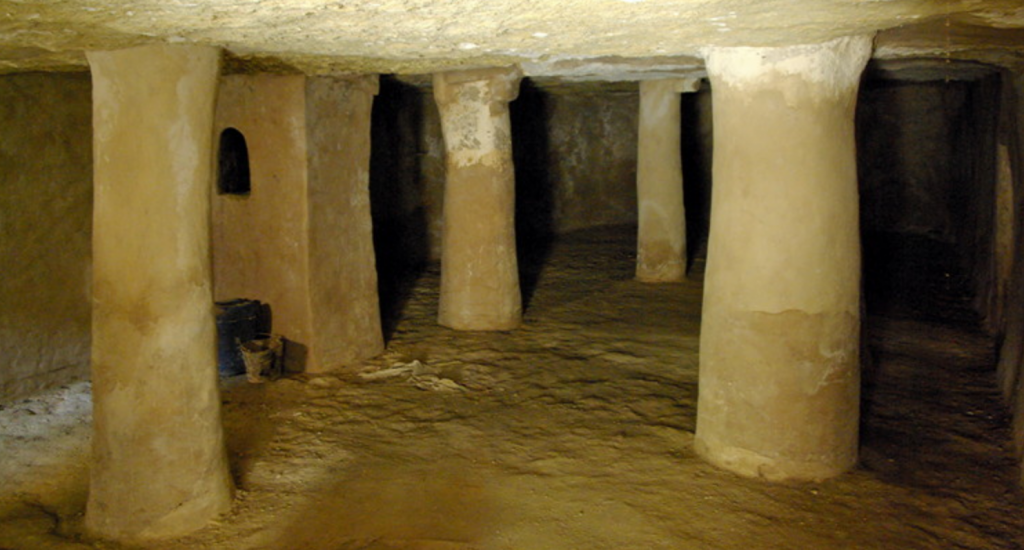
[233,164]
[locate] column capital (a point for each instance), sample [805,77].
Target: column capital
[833,66]
[503,83]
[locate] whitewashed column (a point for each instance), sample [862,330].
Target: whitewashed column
[479,270]
[779,365]
[661,231]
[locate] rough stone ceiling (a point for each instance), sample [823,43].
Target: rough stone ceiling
[574,39]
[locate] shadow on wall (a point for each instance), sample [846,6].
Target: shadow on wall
[397,197]
[535,201]
[925,155]
[926,173]
[45,230]
[697,145]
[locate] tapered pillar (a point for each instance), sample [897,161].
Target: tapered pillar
[661,232]
[159,465]
[779,372]
[479,272]
[342,268]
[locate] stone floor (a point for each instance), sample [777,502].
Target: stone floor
[574,431]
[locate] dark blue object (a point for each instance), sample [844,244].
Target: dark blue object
[237,322]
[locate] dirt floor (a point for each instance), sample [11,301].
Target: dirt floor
[574,431]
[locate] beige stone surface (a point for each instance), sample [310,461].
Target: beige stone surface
[159,466]
[301,241]
[661,235]
[479,269]
[423,36]
[260,244]
[591,185]
[779,367]
[575,432]
[45,230]
[345,313]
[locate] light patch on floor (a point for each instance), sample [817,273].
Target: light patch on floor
[574,431]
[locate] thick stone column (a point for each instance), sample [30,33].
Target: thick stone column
[779,350]
[479,272]
[661,234]
[159,464]
[342,268]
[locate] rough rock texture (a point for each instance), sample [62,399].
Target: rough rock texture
[901,194]
[45,230]
[549,37]
[574,432]
[593,185]
[952,197]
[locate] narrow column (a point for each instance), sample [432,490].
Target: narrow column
[159,465]
[661,235]
[779,372]
[479,272]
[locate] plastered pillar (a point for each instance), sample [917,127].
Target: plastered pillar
[479,272]
[260,239]
[159,465]
[779,348]
[302,240]
[661,232]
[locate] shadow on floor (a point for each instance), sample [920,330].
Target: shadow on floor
[930,407]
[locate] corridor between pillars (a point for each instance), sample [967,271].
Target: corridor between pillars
[159,465]
[479,271]
[661,232]
[779,363]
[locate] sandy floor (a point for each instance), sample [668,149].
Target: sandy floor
[573,432]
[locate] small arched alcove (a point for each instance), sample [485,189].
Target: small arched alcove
[233,164]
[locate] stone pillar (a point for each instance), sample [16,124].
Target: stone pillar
[779,349]
[479,271]
[159,464]
[344,306]
[661,233]
[260,240]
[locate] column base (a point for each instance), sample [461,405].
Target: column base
[667,273]
[479,324]
[747,463]
[192,516]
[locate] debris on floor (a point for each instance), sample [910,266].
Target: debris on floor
[424,377]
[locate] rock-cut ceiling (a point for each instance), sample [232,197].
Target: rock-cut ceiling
[571,39]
